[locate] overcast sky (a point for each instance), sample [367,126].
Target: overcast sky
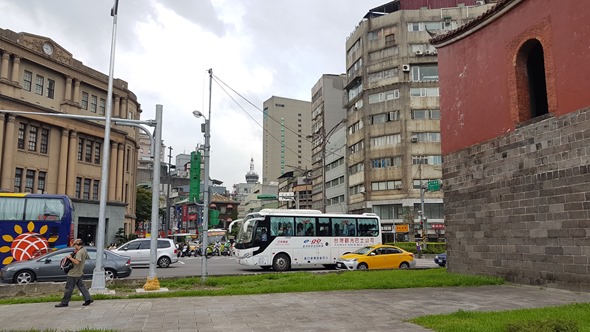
[164,48]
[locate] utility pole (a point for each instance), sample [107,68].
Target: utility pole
[167,214]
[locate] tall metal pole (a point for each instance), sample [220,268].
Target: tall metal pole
[324,199]
[98,275]
[155,193]
[206,185]
[167,214]
[422,214]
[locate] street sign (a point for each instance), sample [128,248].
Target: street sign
[266,197]
[287,194]
[433,185]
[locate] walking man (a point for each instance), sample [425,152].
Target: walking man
[75,275]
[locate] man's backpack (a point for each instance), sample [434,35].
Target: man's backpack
[66,265]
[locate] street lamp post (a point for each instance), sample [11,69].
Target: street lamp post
[206,151]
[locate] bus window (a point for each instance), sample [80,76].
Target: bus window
[324,228]
[12,208]
[281,226]
[305,226]
[368,227]
[344,226]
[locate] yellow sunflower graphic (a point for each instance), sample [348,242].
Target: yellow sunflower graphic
[25,245]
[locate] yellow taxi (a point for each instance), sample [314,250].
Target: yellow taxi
[380,256]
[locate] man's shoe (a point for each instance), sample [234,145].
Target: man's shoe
[87,302]
[61,305]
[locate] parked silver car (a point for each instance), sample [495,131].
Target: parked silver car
[46,267]
[139,251]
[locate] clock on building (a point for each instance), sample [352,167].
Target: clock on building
[48,48]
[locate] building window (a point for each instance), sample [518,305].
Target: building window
[86,193]
[85,100]
[97,153]
[93,103]
[18,179]
[428,160]
[428,137]
[385,117]
[33,130]
[101,106]
[356,189]
[127,160]
[50,88]
[386,185]
[389,211]
[425,114]
[27,80]
[357,147]
[424,92]
[29,181]
[39,83]
[44,140]
[384,96]
[95,186]
[80,148]
[355,127]
[41,182]
[425,73]
[386,162]
[431,210]
[21,135]
[88,152]
[356,168]
[531,84]
[387,140]
[78,187]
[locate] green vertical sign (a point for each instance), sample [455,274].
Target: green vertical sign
[433,185]
[195,177]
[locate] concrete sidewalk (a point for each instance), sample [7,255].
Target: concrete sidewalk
[366,310]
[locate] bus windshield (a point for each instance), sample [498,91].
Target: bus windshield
[246,232]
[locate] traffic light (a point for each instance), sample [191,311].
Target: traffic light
[195,177]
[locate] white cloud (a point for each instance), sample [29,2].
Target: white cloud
[164,49]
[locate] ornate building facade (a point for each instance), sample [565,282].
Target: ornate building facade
[60,155]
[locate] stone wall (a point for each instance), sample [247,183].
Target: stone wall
[518,206]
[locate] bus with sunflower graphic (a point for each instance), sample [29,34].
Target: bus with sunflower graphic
[33,224]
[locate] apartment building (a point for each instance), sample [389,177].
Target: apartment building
[57,155]
[393,113]
[286,145]
[327,116]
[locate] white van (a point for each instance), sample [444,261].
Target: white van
[139,251]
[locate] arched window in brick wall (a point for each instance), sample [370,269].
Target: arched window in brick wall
[531,81]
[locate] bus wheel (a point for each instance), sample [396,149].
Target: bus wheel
[281,263]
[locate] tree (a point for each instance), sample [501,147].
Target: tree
[143,202]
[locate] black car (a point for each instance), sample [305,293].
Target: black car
[46,267]
[441,259]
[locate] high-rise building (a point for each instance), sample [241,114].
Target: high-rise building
[58,155]
[286,147]
[393,115]
[327,116]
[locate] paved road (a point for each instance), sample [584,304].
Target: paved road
[367,310]
[221,265]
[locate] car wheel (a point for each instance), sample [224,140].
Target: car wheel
[362,266]
[24,277]
[281,263]
[109,275]
[164,261]
[404,265]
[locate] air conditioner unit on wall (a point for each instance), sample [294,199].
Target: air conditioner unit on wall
[414,139]
[427,52]
[480,3]
[406,68]
[435,52]
[419,53]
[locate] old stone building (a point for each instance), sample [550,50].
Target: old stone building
[515,124]
[58,155]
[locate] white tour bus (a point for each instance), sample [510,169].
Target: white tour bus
[280,238]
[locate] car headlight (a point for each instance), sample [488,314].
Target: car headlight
[349,259]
